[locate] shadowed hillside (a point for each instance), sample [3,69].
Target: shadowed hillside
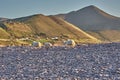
[95,21]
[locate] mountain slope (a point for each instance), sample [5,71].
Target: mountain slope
[52,27]
[94,21]
[3,19]
[44,27]
[4,34]
[15,29]
[72,29]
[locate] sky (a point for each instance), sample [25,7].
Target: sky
[21,8]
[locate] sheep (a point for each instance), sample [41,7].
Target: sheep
[36,44]
[47,45]
[69,43]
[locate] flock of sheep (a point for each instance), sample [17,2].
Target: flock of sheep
[47,45]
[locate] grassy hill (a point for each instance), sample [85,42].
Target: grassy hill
[4,34]
[52,26]
[16,29]
[43,27]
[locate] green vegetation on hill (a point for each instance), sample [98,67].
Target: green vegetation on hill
[3,34]
[51,27]
[40,27]
[17,29]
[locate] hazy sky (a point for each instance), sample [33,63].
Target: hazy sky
[20,8]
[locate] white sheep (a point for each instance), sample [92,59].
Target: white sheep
[47,45]
[69,43]
[36,44]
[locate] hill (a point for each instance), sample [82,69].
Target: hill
[3,34]
[3,19]
[95,21]
[15,29]
[44,27]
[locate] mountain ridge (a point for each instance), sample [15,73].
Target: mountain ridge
[94,21]
[90,16]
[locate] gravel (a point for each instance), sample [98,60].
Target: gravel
[88,62]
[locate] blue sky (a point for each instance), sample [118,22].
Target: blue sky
[20,8]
